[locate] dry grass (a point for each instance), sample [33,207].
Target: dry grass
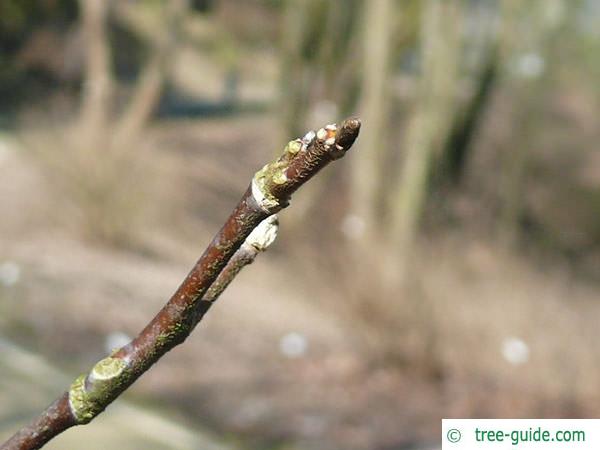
[106,193]
[466,303]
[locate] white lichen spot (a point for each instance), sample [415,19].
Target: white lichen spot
[321,134]
[330,141]
[268,204]
[331,127]
[264,234]
[309,138]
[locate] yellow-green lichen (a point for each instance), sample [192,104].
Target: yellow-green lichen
[279,177]
[176,332]
[293,147]
[106,381]
[108,368]
[273,173]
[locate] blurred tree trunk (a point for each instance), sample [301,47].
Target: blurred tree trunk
[529,30]
[300,45]
[295,72]
[460,141]
[514,162]
[316,62]
[98,81]
[428,129]
[368,164]
[150,84]
[481,67]
[513,185]
[319,75]
[106,142]
[340,42]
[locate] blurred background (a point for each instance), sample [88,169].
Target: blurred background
[449,266]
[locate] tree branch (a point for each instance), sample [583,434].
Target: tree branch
[269,192]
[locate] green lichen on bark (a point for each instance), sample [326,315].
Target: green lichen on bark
[108,368]
[105,382]
[175,332]
[275,173]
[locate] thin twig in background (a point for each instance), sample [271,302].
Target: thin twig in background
[234,246]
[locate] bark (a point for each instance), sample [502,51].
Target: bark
[269,192]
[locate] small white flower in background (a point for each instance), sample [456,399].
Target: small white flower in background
[353,226]
[529,65]
[293,345]
[515,351]
[115,341]
[10,272]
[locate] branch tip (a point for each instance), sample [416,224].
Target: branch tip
[273,185]
[347,133]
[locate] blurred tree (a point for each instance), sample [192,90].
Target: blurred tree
[318,65]
[529,31]
[440,59]
[460,141]
[301,34]
[203,5]
[26,27]
[368,165]
[98,165]
[319,74]
[98,87]
[152,79]
[479,76]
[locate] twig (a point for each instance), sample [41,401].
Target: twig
[259,240]
[269,192]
